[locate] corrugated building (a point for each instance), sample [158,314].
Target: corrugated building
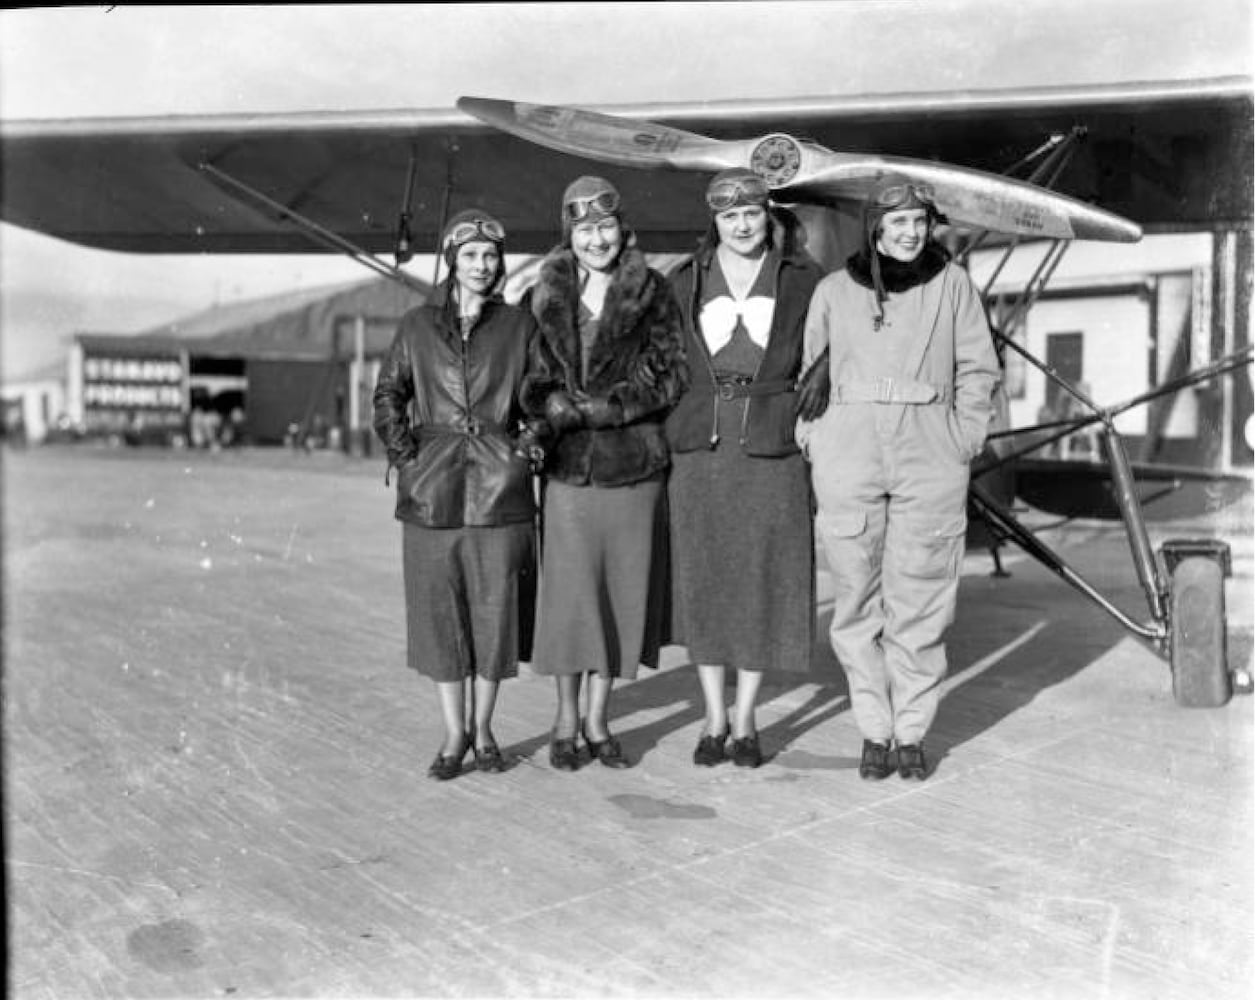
[301,364]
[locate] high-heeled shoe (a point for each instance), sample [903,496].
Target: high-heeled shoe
[447,766]
[746,752]
[489,758]
[608,751]
[563,754]
[710,749]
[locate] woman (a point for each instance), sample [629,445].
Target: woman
[608,364]
[914,371]
[739,501]
[445,403]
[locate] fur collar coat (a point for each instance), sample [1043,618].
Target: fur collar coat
[634,370]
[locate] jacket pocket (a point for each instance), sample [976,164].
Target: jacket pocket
[408,508]
[431,486]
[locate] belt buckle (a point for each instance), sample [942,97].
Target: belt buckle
[473,427]
[885,389]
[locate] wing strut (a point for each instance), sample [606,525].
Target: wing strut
[992,510]
[405,235]
[451,150]
[1063,428]
[319,234]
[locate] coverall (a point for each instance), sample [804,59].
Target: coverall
[909,410]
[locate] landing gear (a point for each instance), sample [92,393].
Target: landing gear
[1197,639]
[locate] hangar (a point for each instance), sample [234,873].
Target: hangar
[297,368]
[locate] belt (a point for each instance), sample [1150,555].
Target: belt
[892,390]
[736,386]
[473,426]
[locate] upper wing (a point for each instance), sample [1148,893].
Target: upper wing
[1166,156]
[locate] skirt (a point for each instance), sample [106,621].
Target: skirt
[467,594]
[743,559]
[603,565]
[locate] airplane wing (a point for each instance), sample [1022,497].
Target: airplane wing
[1168,156]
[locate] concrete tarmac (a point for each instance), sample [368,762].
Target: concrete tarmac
[215,781]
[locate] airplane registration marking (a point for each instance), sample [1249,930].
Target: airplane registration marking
[1030,217]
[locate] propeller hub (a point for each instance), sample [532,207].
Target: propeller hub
[777,159]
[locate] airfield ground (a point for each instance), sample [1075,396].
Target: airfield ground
[214,782]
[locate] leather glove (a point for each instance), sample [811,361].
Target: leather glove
[600,411]
[813,389]
[528,444]
[561,412]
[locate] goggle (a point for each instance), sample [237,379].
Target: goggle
[605,203]
[737,191]
[466,232]
[898,194]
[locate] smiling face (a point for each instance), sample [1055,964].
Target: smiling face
[743,229]
[901,234]
[597,244]
[476,266]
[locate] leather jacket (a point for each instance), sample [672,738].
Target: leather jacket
[447,411]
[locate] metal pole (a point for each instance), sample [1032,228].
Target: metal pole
[1239,359]
[355,378]
[1017,532]
[319,234]
[1126,496]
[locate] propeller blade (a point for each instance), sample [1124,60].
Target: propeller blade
[968,197]
[611,139]
[806,172]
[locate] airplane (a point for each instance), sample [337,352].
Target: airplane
[1173,156]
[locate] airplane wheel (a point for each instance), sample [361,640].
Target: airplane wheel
[1197,634]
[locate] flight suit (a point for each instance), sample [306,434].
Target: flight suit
[909,409]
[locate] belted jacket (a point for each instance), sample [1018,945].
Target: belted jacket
[635,371]
[446,409]
[927,349]
[770,399]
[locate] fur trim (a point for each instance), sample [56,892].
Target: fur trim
[895,275]
[555,304]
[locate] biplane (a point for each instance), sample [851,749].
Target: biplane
[1040,168]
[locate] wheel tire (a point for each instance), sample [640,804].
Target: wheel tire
[1197,652]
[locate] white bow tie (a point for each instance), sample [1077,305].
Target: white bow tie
[719,319]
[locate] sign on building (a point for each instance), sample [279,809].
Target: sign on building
[120,391]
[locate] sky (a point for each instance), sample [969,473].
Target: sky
[133,61]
